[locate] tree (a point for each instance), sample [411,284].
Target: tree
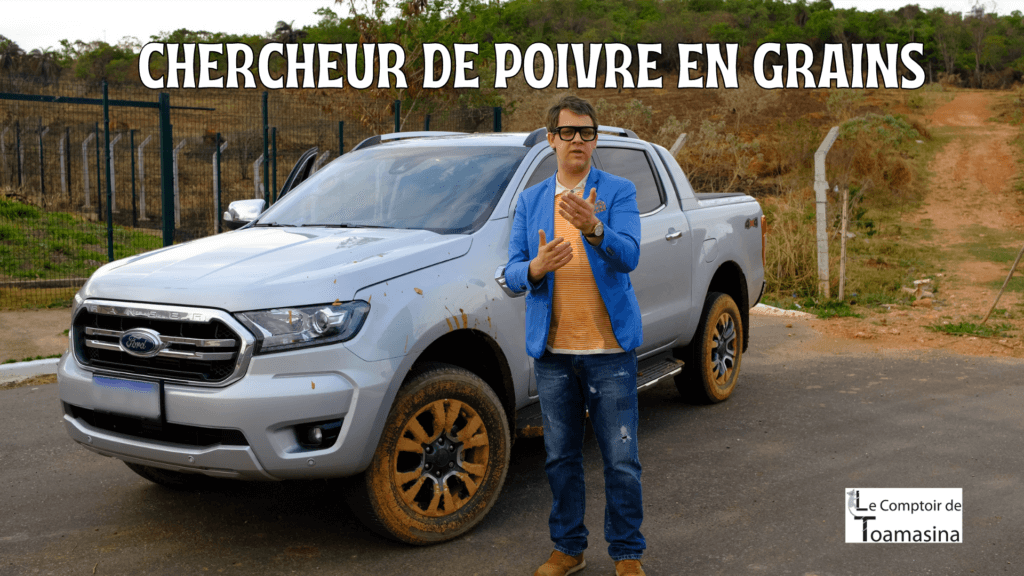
[43,63]
[284,32]
[979,23]
[10,55]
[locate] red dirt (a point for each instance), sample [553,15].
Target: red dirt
[971,185]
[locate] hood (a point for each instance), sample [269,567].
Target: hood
[258,268]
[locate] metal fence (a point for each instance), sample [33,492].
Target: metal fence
[55,160]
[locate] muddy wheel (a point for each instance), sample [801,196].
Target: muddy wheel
[169,478]
[713,357]
[441,460]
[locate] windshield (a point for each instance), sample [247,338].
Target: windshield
[448,190]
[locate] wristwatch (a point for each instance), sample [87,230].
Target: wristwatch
[598,231]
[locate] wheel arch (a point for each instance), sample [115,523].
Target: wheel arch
[477,352]
[729,279]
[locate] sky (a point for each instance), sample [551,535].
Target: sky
[44,23]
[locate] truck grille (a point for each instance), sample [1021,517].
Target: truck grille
[197,346]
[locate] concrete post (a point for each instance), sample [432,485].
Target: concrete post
[821,203]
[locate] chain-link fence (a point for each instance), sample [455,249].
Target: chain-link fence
[55,160]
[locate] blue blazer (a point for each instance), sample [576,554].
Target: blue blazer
[611,261]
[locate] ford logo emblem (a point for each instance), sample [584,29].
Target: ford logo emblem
[142,342]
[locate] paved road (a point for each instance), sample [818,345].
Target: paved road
[750,486]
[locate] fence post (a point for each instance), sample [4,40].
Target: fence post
[142,178]
[273,162]
[67,158]
[99,183]
[85,168]
[218,148]
[341,137]
[266,152]
[166,161]
[257,185]
[821,203]
[497,118]
[19,159]
[398,115]
[110,163]
[131,155]
[113,174]
[63,166]
[3,151]
[426,123]
[177,198]
[42,166]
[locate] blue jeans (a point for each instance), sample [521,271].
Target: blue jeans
[604,384]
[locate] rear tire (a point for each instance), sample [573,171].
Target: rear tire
[441,460]
[714,356]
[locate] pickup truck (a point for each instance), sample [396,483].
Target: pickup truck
[360,327]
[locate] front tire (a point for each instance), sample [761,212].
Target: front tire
[441,460]
[714,356]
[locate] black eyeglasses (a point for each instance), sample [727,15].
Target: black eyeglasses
[567,133]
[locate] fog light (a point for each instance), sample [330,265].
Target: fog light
[316,435]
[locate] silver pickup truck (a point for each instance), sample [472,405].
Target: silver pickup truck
[361,326]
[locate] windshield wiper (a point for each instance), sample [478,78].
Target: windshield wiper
[273,225]
[345,226]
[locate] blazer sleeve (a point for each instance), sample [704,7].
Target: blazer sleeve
[620,247]
[520,253]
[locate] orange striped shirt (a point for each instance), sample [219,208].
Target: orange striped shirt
[579,319]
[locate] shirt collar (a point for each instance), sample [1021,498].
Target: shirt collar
[579,185]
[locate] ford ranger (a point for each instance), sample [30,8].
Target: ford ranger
[361,326]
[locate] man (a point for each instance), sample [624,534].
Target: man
[582,328]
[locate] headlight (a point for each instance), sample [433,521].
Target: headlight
[290,328]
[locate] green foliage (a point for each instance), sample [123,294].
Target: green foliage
[966,328]
[886,129]
[828,308]
[41,245]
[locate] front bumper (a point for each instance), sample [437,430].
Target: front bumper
[268,406]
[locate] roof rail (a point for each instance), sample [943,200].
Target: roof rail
[616,131]
[374,140]
[540,134]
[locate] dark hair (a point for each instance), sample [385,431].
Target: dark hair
[572,104]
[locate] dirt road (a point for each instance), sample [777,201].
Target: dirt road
[970,199]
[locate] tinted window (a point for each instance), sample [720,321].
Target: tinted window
[633,166]
[544,171]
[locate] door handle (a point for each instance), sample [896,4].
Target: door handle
[673,236]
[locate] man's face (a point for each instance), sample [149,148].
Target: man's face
[573,156]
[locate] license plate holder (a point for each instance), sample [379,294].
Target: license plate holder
[128,397]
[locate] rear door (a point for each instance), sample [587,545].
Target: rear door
[662,278]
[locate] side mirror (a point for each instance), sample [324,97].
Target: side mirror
[241,212]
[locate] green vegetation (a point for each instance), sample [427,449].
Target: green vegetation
[47,245]
[13,361]
[965,328]
[977,48]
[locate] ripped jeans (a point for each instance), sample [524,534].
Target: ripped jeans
[604,384]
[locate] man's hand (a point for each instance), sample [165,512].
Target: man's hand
[579,212]
[550,257]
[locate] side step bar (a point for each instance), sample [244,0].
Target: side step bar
[530,424]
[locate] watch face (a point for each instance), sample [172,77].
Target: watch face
[599,229]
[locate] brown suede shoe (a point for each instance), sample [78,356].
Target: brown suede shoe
[561,565]
[629,568]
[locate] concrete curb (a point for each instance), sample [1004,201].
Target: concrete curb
[22,370]
[766,310]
